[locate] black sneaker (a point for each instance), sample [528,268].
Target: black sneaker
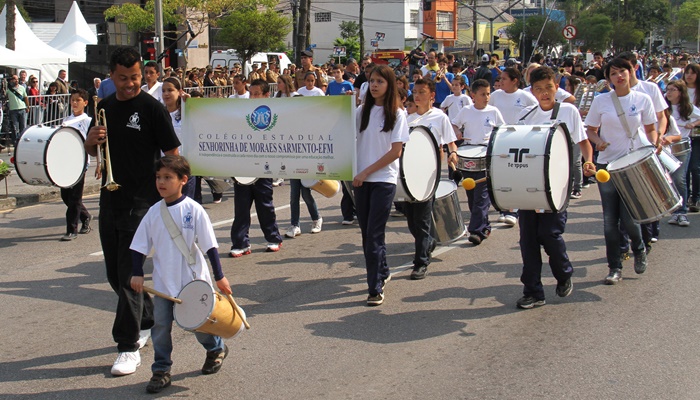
[214,361]
[640,262]
[565,289]
[159,381]
[475,239]
[527,302]
[85,229]
[68,237]
[375,300]
[693,206]
[419,273]
[614,277]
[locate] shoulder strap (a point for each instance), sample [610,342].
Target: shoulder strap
[621,115]
[17,94]
[528,113]
[176,235]
[555,111]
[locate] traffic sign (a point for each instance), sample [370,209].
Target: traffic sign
[569,32]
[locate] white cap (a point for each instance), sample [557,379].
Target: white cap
[485,57]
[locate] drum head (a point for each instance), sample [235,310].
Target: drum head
[632,158]
[445,188]
[307,183]
[558,170]
[420,164]
[66,157]
[245,180]
[471,151]
[197,305]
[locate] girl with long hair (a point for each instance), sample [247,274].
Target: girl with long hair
[690,77]
[172,97]
[285,86]
[382,131]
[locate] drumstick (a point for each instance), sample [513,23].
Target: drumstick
[456,174]
[470,183]
[238,310]
[161,294]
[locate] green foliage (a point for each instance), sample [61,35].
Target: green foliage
[626,36]
[21,9]
[253,27]
[4,169]
[349,29]
[688,17]
[352,47]
[142,19]
[648,14]
[551,35]
[595,30]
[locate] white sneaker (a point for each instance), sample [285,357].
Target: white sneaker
[673,220]
[293,231]
[143,338]
[316,227]
[683,220]
[501,218]
[126,363]
[273,247]
[510,220]
[277,182]
[348,222]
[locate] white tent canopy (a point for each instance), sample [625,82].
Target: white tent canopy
[74,35]
[31,53]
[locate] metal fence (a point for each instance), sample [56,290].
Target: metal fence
[224,91]
[48,109]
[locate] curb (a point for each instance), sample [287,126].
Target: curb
[47,194]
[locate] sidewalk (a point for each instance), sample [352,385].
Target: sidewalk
[20,194]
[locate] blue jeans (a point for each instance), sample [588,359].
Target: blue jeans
[679,181]
[615,214]
[18,119]
[693,175]
[163,341]
[295,189]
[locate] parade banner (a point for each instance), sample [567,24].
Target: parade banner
[298,137]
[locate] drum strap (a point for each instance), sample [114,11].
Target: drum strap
[621,115]
[176,235]
[555,112]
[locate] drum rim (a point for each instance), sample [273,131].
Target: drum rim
[211,310]
[56,129]
[402,176]
[245,184]
[650,149]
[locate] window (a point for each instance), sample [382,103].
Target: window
[322,17]
[444,21]
[414,19]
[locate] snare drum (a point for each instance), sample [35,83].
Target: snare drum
[51,156]
[419,172]
[668,160]
[472,158]
[244,180]
[328,188]
[643,185]
[680,148]
[529,167]
[204,310]
[448,223]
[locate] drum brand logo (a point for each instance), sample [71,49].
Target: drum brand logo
[261,119]
[518,157]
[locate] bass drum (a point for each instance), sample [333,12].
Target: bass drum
[529,167]
[51,156]
[419,172]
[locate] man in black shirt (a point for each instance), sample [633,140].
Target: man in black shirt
[139,129]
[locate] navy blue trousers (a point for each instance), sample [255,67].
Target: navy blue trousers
[259,193]
[420,223]
[479,203]
[542,229]
[373,204]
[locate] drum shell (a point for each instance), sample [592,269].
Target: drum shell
[448,223]
[680,148]
[419,167]
[203,310]
[328,188]
[530,167]
[51,156]
[472,158]
[668,160]
[643,185]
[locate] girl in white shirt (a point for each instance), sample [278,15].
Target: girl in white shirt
[172,98]
[310,89]
[382,131]
[285,87]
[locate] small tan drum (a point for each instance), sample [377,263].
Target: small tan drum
[328,188]
[204,310]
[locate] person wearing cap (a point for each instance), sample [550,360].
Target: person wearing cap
[307,58]
[484,72]
[272,73]
[253,75]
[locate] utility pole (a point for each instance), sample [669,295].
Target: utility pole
[10,24]
[295,28]
[158,40]
[301,29]
[474,29]
[361,32]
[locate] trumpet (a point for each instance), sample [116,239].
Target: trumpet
[439,75]
[104,160]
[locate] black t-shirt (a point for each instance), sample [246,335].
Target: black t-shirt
[347,75]
[138,130]
[362,78]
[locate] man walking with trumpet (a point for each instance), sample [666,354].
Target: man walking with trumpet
[139,129]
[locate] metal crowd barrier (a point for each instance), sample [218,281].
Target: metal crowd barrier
[224,91]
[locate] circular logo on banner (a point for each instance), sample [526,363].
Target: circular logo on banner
[569,32]
[262,119]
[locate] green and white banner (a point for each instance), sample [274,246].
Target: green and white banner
[298,137]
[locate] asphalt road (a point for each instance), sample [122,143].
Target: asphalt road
[455,335]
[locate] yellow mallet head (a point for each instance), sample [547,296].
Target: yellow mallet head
[468,184]
[602,175]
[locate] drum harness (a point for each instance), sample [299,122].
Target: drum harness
[623,121]
[176,235]
[555,112]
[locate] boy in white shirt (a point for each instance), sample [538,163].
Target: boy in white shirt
[171,270]
[478,121]
[310,89]
[73,196]
[546,229]
[457,100]
[151,73]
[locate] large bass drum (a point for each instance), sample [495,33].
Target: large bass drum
[529,167]
[419,172]
[51,156]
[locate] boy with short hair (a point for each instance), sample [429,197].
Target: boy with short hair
[151,73]
[73,196]
[171,269]
[410,104]
[338,85]
[477,121]
[546,229]
[457,100]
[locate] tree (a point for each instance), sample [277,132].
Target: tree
[551,35]
[21,9]
[688,17]
[595,30]
[349,29]
[254,28]
[626,36]
[349,38]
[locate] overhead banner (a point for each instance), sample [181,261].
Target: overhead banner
[298,137]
